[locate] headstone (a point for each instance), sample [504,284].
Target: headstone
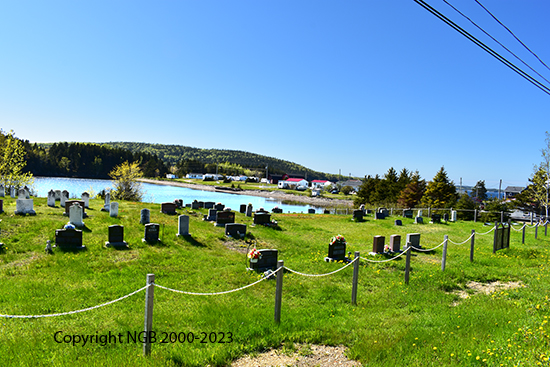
[277,210]
[378,244]
[212,215]
[311,211]
[379,215]
[362,208]
[69,203]
[113,210]
[107,203]
[86,199]
[201,204]
[183,225]
[168,208]
[398,222]
[262,218]
[326,211]
[407,213]
[145,216]
[418,220]
[64,197]
[395,243]
[22,194]
[267,260]
[178,203]
[219,207]
[419,214]
[242,208]
[209,204]
[152,231]
[358,215]
[116,236]
[446,217]
[249,210]
[436,218]
[235,230]
[51,198]
[13,192]
[224,217]
[384,212]
[453,216]
[69,239]
[336,252]
[1,206]
[24,206]
[57,195]
[2,191]
[76,214]
[414,240]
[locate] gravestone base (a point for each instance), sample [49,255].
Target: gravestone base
[330,259]
[122,244]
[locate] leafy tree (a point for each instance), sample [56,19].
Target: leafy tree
[12,162]
[493,209]
[440,192]
[413,192]
[466,206]
[540,181]
[127,186]
[367,193]
[346,190]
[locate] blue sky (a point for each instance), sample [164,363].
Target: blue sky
[351,86]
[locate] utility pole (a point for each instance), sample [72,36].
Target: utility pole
[499,188]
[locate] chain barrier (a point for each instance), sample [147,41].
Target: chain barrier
[322,275]
[461,243]
[430,249]
[73,312]
[385,261]
[217,293]
[519,230]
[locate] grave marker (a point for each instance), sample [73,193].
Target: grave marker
[183,225]
[224,217]
[212,215]
[378,244]
[262,218]
[358,215]
[107,203]
[398,222]
[64,198]
[85,199]
[414,240]
[152,231]
[168,208]
[242,208]
[195,205]
[113,210]
[145,216]
[209,205]
[51,198]
[219,207]
[1,206]
[76,213]
[69,203]
[235,230]
[336,252]
[407,213]
[2,191]
[395,243]
[69,239]
[418,220]
[249,210]
[436,218]
[267,260]
[24,206]
[116,236]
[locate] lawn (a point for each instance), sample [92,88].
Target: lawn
[427,322]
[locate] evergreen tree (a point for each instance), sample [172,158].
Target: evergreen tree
[440,192]
[411,195]
[466,206]
[479,192]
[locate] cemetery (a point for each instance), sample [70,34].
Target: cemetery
[346,278]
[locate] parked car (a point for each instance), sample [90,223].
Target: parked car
[301,188]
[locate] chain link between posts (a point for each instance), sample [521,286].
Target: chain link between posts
[322,275]
[462,243]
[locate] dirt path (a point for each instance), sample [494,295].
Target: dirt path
[280,195]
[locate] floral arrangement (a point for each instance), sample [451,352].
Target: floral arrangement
[338,240]
[69,225]
[254,254]
[387,248]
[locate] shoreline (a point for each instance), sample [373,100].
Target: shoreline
[323,202]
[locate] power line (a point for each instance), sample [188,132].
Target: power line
[494,39]
[512,33]
[493,53]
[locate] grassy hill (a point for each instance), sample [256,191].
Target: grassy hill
[437,319]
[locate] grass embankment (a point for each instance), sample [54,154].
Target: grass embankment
[421,324]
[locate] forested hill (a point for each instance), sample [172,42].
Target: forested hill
[175,154]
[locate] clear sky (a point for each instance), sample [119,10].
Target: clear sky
[354,86]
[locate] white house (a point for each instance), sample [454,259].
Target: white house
[171,176]
[321,184]
[292,183]
[194,175]
[212,176]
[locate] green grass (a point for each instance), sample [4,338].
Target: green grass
[393,324]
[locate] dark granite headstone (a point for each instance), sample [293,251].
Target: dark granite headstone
[209,204]
[224,217]
[277,210]
[219,207]
[235,230]
[262,218]
[407,213]
[398,222]
[436,218]
[195,205]
[1,206]
[326,211]
[116,236]
[378,215]
[152,231]
[378,244]
[267,260]
[358,215]
[395,243]
[336,252]
[311,211]
[446,217]
[178,203]
[242,208]
[414,240]
[201,204]
[419,220]
[69,239]
[168,208]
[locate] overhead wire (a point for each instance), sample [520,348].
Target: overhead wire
[489,50]
[494,39]
[512,33]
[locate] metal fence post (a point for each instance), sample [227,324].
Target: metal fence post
[148,327]
[408,263]
[444,256]
[472,245]
[523,234]
[536,230]
[355,279]
[279,291]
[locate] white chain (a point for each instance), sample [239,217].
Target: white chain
[519,230]
[429,249]
[385,261]
[73,312]
[215,293]
[322,275]
[461,243]
[483,234]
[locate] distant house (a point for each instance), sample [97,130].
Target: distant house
[512,191]
[274,179]
[194,175]
[212,177]
[292,183]
[171,176]
[320,184]
[353,183]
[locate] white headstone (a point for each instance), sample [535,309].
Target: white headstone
[64,197]
[453,216]
[113,212]
[22,194]
[2,191]
[419,213]
[51,198]
[76,213]
[57,194]
[107,205]
[86,199]
[24,206]
[13,192]
[183,225]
